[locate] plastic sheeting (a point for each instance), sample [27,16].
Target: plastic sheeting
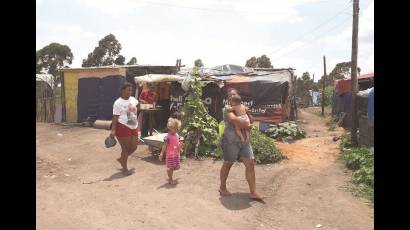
[370,106]
[96,97]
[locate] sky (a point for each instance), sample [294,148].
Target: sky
[292,33]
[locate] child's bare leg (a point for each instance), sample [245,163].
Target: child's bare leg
[247,135]
[170,173]
[239,133]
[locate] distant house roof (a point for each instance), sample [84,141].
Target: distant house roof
[344,85]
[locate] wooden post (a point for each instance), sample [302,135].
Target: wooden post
[323,89]
[311,96]
[354,71]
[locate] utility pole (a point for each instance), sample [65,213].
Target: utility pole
[323,90]
[354,71]
[312,89]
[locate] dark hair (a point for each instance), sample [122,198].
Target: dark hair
[126,85]
[232,89]
[236,99]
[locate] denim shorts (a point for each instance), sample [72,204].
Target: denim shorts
[234,151]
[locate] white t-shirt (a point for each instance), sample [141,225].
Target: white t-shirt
[127,111]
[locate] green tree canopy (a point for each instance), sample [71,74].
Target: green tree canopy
[51,58]
[133,61]
[106,53]
[260,62]
[340,71]
[198,63]
[251,62]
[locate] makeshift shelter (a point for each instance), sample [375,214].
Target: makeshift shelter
[89,93]
[365,127]
[269,95]
[342,97]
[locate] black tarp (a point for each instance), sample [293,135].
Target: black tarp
[176,97]
[212,98]
[110,90]
[88,99]
[266,93]
[96,97]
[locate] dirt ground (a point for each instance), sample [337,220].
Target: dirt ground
[79,186]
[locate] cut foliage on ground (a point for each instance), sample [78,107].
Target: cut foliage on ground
[264,149]
[287,131]
[361,161]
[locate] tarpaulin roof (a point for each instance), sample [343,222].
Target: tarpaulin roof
[279,76]
[158,78]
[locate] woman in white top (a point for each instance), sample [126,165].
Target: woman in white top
[125,123]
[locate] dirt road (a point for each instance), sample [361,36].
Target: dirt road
[79,186]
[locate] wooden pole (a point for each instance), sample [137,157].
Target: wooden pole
[354,71]
[311,96]
[323,89]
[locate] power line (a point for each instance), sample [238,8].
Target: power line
[312,39]
[217,9]
[310,31]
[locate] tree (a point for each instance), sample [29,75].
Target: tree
[251,62]
[264,62]
[106,53]
[340,71]
[198,63]
[260,62]
[303,85]
[133,61]
[120,60]
[52,58]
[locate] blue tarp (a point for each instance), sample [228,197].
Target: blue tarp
[315,98]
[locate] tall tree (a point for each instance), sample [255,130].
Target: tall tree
[53,57]
[264,62]
[340,71]
[303,85]
[133,61]
[106,53]
[198,63]
[260,62]
[251,62]
[120,60]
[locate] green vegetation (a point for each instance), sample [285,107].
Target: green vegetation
[361,162]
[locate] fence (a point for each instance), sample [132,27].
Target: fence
[48,104]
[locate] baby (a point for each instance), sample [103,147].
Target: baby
[240,111]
